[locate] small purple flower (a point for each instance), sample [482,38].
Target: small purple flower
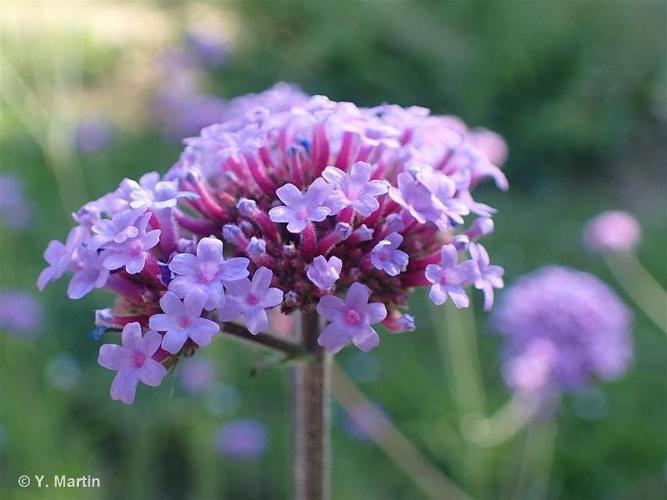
[89,274]
[354,189]
[415,197]
[387,257]
[489,277]
[151,192]
[324,274]
[133,361]
[351,319]
[196,374]
[301,208]
[242,440]
[449,209]
[256,248]
[206,272]
[59,257]
[250,299]
[183,321]
[612,231]
[20,313]
[449,278]
[531,371]
[120,228]
[131,254]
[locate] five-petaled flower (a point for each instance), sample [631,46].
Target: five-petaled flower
[133,360]
[354,189]
[206,272]
[250,299]
[301,208]
[132,252]
[323,273]
[182,321]
[449,278]
[350,319]
[387,257]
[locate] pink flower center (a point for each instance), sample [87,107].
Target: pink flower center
[252,299]
[443,279]
[352,317]
[136,248]
[383,256]
[138,359]
[184,322]
[302,214]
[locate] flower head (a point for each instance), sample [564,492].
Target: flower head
[350,319]
[20,313]
[242,439]
[321,205]
[612,231]
[133,360]
[567,326]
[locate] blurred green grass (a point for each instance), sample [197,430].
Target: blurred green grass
[573,89]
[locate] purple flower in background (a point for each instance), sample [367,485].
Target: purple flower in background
[580,317]
[242,439]
[206,272]
[354,189]
[20,313]
[387,257]
[196,374]
[449,278]
[323,273]
[131,253]
[14,209]
[350,319]
[182,321]
[612,231]
[489,275]
[363,420]
[250,299]
[93,135]
[531,371]
[209,48]
[133,361]
[301,208]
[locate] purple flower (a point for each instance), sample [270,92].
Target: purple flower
[449,278]
[183,321]
[14,209]
[324,273]
[580,317]
[242,439]
[386,256]
[301,208]
[206,272]
[120,228]
[131,254]
[250,299]
[489,275]
[354,189]
[196,374]
[93,135]
[151,192]
[133,361]
[20,313]
[89,274]
[415,197]
[60,257]
[612,231]
[350,319]
[531,371]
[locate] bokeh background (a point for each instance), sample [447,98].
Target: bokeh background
[95,91]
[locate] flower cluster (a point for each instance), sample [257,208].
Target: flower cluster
[562,328]
[315,205]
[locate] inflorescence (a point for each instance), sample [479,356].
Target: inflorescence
[318,205]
